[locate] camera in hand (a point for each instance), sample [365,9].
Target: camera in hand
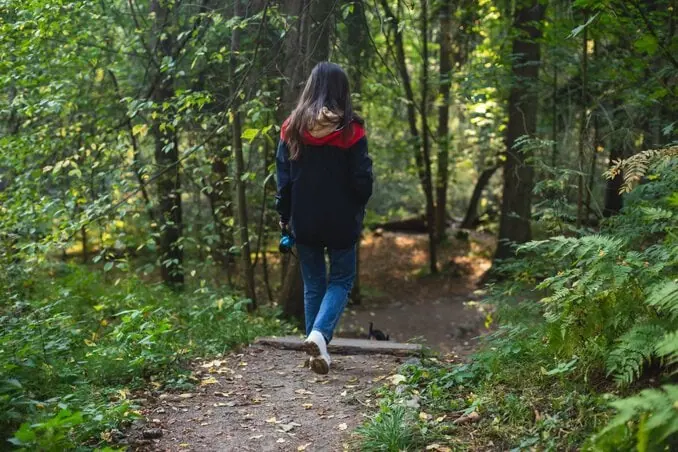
[286,241]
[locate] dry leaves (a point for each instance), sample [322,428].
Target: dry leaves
[303,447]
[342,426]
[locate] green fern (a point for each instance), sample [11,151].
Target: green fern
[652,415]
[664,297]
[667,348]
[626,361]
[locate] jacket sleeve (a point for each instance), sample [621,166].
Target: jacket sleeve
[361,172]
[283,199]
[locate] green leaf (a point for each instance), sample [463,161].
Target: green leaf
[250,134]
[647,44]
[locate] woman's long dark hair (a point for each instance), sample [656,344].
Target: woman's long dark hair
[327,86]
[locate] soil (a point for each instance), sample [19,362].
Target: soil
[406,303]
[265,399]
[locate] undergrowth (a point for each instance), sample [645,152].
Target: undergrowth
[584,353]
[74,349]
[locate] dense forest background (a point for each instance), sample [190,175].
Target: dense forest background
[137,229]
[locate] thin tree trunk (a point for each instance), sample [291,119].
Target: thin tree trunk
[243,236]
[514,223]
[613,200]
[583,135]
[85,246]
[594,154]
[470,220]
[426,146]
[443,120]
[167,159]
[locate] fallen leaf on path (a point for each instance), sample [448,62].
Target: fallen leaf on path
[303,447]
[424,416]
[209,381]
[467,418]
[397,379]
[343,394]
[184,445]
[272,420]
[342,426]
[307,406]
[303,391]
[186,395]
[280,441]
[256,436]
[440,419]
[221,394]
[438,448]
[288,427]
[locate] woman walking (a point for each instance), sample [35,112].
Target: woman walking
[324,176]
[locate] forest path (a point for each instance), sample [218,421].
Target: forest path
[409,305]
[264,399]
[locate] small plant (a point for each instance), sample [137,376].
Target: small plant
[391,430]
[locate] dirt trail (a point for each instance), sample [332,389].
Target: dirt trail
[264,399]
[438,311]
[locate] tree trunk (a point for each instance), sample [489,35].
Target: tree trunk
[471,218]
[167,159]
[243,235]
[292,292]
[583,132]
[613,200]
[355,43]
[443,121]
[514,224]
[220,198]
[426,147]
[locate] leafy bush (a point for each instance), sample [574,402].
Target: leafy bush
[73,348]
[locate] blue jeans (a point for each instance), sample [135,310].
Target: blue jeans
[325,298]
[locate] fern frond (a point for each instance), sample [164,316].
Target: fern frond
[664,297]
[667,348]
[653,412]
[633,350]
[636,166]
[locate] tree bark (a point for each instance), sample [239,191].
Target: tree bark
[167,158]
[443,121]
[426,147]
[583,129]
[241,193]
[470,220]
[514,224]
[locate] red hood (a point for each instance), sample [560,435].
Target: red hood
[335,138]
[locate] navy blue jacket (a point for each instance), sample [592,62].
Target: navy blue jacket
[322,195]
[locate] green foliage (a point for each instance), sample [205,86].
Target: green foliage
[391,430]
[653,418]
[74,347]
[577,316]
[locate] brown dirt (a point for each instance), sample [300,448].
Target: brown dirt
[266,400]
[406,303]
